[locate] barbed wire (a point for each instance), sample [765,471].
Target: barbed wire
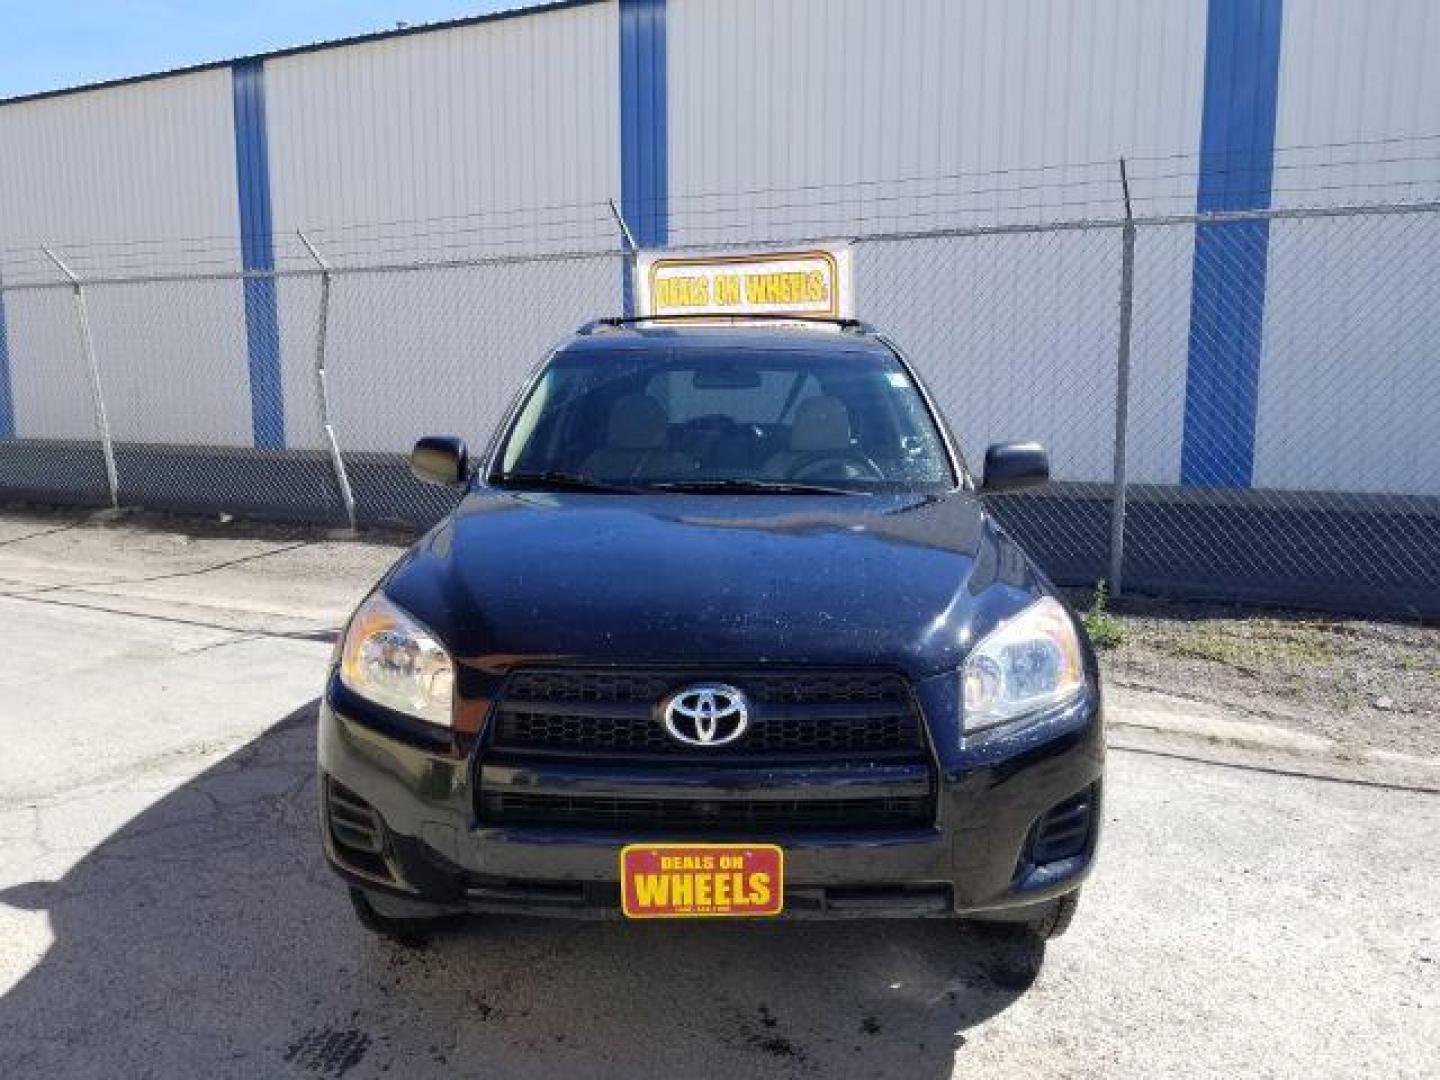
[1044,193]
[889,228]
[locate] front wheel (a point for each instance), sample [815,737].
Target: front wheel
[1044,922]
[1058,918]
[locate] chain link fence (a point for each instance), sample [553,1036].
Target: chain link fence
[453,346]
[1236,405]
[1303,384]
[1016,336]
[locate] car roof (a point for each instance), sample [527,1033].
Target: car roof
[600,338]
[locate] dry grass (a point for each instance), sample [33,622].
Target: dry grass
[1364,683]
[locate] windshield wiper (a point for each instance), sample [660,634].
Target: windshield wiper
[561,481]
[780,487]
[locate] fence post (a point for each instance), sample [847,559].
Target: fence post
[97,393]
[1122,392]
[630,261]
[322,390]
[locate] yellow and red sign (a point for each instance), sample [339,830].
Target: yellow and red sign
[690,881]
[799,284]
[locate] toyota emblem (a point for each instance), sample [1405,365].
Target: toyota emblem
[708,715]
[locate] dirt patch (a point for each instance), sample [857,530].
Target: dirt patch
[1365,683]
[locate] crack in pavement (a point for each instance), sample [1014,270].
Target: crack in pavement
[1273,770]
[124,775]
[205,833]
[321,634]
[42,532]
[170,575]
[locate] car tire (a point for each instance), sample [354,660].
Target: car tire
[1058,918]
[410,931]
[1043,923]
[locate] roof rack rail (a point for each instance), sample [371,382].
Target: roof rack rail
[619,322]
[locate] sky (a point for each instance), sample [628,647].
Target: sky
[47,45]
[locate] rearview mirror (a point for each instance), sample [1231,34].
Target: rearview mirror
[1012,465]
[726,378]
[440,459]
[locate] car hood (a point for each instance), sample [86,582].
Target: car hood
[905,581]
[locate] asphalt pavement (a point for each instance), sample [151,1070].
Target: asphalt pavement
[164,910]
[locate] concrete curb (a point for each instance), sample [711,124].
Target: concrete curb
[1152,722]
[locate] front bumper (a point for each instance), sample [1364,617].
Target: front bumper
[975,860]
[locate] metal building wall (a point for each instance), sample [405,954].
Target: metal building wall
[1337,352]
[716,121]
[507,115]
[497,138]
[95,171]
[965,105]
[107,179]
[444,145]
[804,117]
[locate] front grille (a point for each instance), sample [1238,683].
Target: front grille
[601,712]
[734,817]
[604,684]
[556,731]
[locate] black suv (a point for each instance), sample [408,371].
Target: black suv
[721,626]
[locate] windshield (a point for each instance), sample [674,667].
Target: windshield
[849,420]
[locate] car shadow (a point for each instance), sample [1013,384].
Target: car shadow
[205,937]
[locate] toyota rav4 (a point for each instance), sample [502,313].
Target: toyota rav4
[722,625]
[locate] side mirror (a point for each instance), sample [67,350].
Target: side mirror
[1013,465]
[440,459]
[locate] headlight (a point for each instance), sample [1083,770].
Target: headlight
[1029,662]
[390,659]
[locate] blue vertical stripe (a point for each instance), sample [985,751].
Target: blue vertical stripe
[257,253]
[1227,303]
[644,137]
[7,400]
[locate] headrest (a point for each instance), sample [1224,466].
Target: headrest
[637,422]
[821,423]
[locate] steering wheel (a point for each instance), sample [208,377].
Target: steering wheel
[853,465]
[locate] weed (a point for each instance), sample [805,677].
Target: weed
[1105,630]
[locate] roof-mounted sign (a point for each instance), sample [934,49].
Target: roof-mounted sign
[811,284]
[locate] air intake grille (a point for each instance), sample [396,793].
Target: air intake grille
[355,831]
[734,817]
[1063,831]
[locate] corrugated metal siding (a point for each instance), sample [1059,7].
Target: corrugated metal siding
[1351,313]
[151,161]
[90,175]
[514,122]
[888,112]
[806,117]
[1360,74]
[515,114]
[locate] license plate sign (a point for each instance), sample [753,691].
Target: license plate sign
[697,881]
